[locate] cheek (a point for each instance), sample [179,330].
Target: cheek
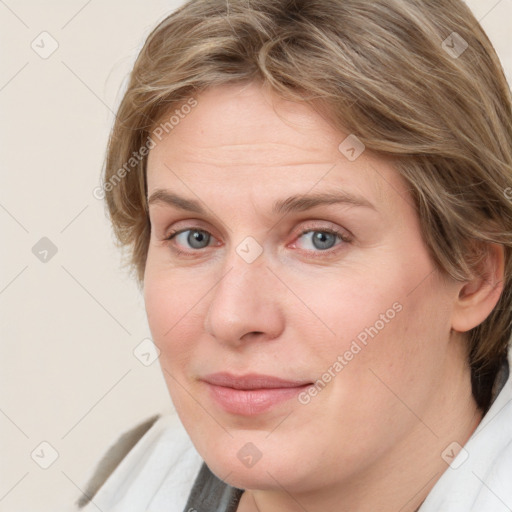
[394,347]
[392,318]
[354,307]
[170,307]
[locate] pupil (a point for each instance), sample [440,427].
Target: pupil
[196,239]
[323,240]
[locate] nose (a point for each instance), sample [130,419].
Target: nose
[245,304]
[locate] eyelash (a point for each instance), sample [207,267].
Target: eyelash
[346,239]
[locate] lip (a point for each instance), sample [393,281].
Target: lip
[251,394]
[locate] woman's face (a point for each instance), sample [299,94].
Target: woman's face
[299,317]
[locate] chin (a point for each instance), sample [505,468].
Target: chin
[260,476]
[241,464]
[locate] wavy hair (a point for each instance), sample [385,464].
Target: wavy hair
[417,80]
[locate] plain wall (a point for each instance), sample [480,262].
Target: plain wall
[70,324]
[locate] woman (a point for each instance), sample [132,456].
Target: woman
[313,194]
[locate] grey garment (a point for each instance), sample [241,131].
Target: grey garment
[210,494]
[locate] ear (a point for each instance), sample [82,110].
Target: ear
[479,295]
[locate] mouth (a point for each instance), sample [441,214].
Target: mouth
[249,395]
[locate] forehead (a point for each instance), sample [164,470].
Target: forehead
[231,117]
[245,140]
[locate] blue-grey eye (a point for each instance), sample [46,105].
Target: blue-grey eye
[320,240]
[195,238]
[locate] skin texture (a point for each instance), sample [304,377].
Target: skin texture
[372,438]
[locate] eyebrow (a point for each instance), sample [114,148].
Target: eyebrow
[297,203]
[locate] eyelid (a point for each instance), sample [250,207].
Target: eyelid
[300,231]
[343,235]
[185,225]
[324,226]
[343,239]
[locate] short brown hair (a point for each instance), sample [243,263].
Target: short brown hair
[417,80]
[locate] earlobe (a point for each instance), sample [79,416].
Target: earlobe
[479,295]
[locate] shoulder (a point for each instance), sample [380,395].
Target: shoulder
[478,479]
[114,455]
[151,462]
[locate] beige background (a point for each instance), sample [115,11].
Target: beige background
[69,326]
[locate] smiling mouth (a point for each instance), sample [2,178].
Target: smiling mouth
[248,395]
